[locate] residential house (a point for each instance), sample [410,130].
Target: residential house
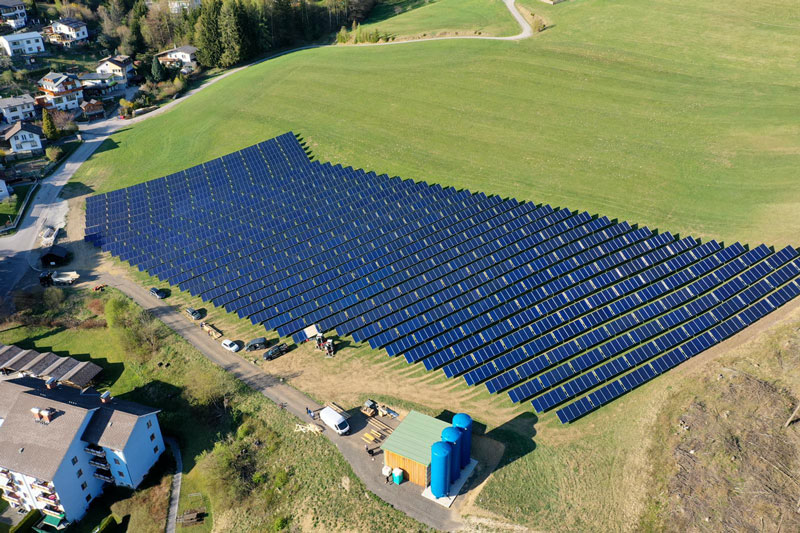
[4,192]
[12,12]
[183,56]
[17,44]
[17,108]
[67,32]
[93,109]
[60,91]
[178,6]
[121,67]
[97,85]
[24,137]
[60,447]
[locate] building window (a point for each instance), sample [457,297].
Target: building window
[80,472]
[120,473]
[84,485]
[116,461]
[149,424]
[152,437]
[74,461]
[155,450]
[88,498]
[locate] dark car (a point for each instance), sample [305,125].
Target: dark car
[194,314]
[276,351]
[158,293]
[256,344]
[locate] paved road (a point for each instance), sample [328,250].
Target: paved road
[405,497]
[175,491]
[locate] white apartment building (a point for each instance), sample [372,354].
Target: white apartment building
[24,137]
[12,12]
[60,446]
[67,32]
[22,43]
[16,108]
[60,91]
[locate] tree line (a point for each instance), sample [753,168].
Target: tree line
[226,32]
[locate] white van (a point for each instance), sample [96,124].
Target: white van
[334,420]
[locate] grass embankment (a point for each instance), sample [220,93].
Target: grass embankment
[667,114]
[242,458]
[419,19]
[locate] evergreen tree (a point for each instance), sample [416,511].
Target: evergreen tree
[157,71]
[207,37]
[231,30]
[48,126]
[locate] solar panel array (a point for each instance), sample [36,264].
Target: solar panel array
[556,307]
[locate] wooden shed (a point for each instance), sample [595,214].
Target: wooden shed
[409,446]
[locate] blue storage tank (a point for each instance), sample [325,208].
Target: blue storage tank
[440,468]
[453,435]
[464,422]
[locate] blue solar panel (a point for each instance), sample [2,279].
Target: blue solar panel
[548,304]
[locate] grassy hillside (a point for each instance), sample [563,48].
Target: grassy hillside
[429,18]
[670,114]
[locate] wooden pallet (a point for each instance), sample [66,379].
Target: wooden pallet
[339,409]
[379,425]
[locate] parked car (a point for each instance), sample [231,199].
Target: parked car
[276,351]
[256,344]
[194,314]
[231,346]
[158,293]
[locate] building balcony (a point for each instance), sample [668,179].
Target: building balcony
[52,499]
[99,462]
[12,498]
[44,486]
[104,475]
[5,475]
[95,450]
[53,511]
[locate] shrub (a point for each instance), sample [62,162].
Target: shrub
[92,323]
[281,479]
[53,297]
[54,153]
[280,523]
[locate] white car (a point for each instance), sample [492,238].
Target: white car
[231,346]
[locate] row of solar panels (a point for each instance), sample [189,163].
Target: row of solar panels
[539,302]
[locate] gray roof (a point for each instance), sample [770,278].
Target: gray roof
[95,76]
[186,49]
[72,23]
[16,100]
[44,445]
[11,3]
[23,126]
[29,447]
[48,365]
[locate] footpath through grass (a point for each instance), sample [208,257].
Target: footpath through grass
[664,113]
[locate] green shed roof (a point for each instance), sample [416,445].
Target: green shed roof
[414,437]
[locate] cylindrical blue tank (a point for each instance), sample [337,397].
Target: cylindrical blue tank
[453,435]
[440,468]
[464,423]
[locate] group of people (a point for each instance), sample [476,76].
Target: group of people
[325,344]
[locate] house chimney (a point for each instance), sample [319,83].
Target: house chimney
[36,413]
[105,397]
[46,414]
[50,383]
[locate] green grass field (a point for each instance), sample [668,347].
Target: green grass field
[666,113]
[11,205]
[429,18]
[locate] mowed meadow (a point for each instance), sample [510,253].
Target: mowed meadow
[681,116]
